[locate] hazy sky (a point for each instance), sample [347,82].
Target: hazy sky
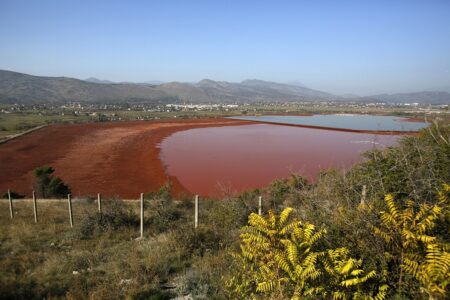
[361,47]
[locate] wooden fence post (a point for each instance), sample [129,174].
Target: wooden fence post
[196,212]
[363,195]
[259,205]
[99,202]
[142,215]
[35,207]
[11,208]
[69,200]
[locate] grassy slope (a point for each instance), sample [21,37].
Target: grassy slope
[51,259]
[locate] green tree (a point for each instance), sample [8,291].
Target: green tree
[48,185]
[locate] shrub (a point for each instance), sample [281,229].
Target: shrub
[23,126]
[163,194]
[164,217]
[415,169]
[48,185]
[285,190]
[411,249]
[115,215]
[203,280]
[197,241]
[13,194]
[281,259]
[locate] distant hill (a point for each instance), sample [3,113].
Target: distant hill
[418,97]
[258,90]
[96,80]
[22,88]
[154,82]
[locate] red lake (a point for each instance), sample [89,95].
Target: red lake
[216,160]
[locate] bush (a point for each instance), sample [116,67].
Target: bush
[164,217]
[115,215]
[48,185]
[281,258]
[198,241]
[416,168]
[411,247]
[23,126]
[14,195]
[203,280]
[282,190]
[164,193]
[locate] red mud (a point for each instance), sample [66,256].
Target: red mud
[115,159]
[227,160]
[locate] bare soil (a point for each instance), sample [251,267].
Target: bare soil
[114,159]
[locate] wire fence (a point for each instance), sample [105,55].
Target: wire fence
[69,210]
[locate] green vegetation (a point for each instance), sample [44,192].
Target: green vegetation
[320,240]
[19,121]
[49,186]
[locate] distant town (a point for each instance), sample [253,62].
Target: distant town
[78,108]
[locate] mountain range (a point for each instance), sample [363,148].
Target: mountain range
[28,89]
[96,80]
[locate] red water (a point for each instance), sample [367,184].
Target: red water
[217,160]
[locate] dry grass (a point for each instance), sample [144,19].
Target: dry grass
[54,261]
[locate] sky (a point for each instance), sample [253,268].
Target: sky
[345,47]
